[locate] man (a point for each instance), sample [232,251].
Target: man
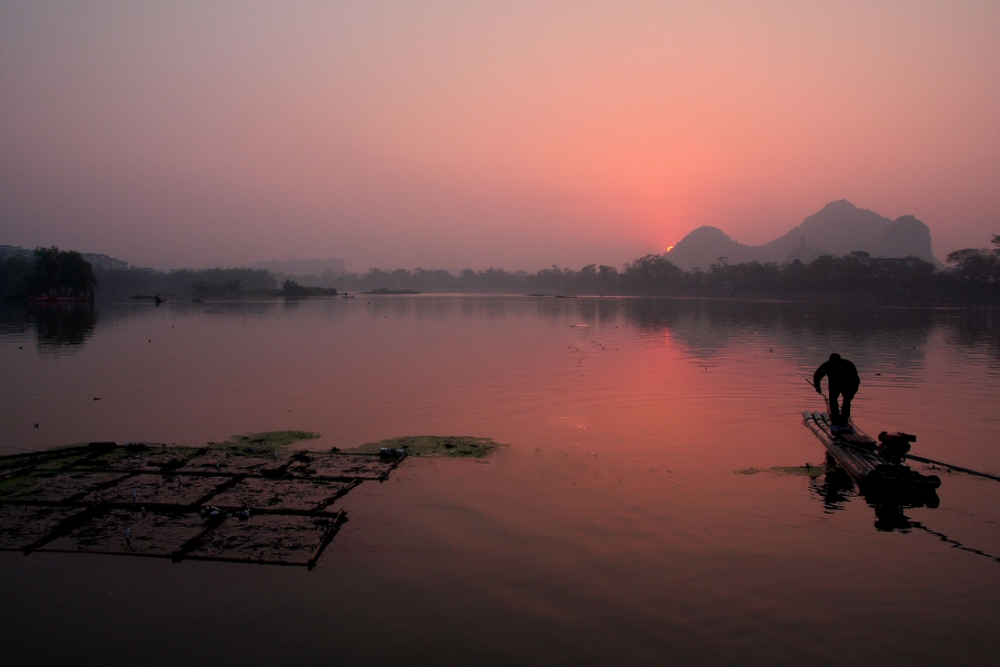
[844,380]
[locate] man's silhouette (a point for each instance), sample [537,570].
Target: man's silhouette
[844,380]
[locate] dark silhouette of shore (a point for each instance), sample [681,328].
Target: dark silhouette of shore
[856,277]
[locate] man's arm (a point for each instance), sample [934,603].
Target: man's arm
[819,375]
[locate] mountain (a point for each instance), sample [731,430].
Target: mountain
[839,228]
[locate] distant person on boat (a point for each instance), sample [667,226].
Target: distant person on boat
[844,381]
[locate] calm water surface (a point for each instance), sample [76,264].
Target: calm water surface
[615,527]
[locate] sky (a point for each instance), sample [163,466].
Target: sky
[484,134]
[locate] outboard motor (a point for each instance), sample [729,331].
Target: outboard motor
[893,446]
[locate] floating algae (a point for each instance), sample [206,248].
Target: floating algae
[807,470]
[267,441]
[433,445]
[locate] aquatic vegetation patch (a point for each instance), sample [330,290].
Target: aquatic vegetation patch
[433,445]
[265,442]
[808,470]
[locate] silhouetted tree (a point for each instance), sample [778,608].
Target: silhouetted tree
[292,288]
[608,276]
[652,272]
[977,265]
[61,273]
[13,273]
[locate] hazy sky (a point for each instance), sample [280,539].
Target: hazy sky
[508,134]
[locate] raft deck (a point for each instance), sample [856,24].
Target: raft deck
[856,452]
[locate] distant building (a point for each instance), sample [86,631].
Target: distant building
[7,251]
[803,253]
[303,267]
[99,261]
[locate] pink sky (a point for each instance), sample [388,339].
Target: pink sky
[516,135]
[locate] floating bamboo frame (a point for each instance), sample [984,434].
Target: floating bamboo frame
[293,529]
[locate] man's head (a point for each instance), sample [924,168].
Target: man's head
[834,357]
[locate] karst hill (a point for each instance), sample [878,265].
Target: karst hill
[838,229]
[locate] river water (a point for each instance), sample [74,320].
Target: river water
[620,525]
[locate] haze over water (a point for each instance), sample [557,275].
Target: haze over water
[615,527]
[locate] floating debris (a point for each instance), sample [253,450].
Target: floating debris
[429,445]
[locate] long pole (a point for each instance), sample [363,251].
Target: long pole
[952,467]
[825,397]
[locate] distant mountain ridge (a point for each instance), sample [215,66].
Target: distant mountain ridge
[839,228]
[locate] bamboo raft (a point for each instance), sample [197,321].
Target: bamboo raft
[857,453]
[181,503]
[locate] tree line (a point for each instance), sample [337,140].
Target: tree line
[973,272]
[977,266]
[59,273]
[217,282]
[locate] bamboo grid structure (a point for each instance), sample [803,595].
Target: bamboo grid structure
[229,505]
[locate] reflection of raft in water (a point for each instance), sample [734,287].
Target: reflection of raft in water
[236,504]
[869,463]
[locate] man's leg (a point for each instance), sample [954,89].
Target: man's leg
[846,414]
[834,406]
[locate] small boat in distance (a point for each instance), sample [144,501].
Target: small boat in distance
[871,464]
